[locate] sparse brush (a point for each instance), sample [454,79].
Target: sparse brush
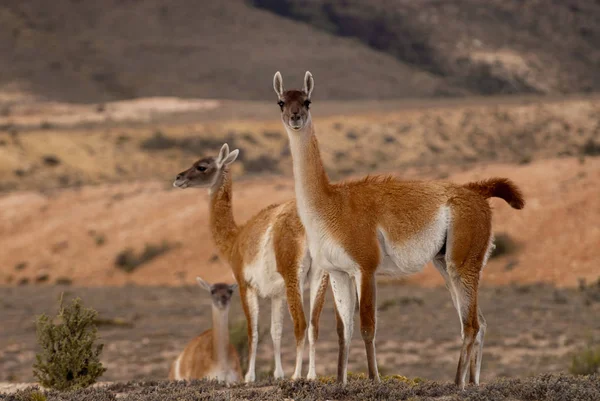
[30,394]
[128,260]
[586,361]
[504,245]
[238,337]
[68,358]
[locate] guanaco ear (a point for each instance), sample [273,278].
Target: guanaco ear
[230,158]
[233,286]
[309,83]
[278,84]
[204,284]
[222,154]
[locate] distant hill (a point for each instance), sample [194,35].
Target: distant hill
[83,51]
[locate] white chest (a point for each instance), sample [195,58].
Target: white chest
[261,273]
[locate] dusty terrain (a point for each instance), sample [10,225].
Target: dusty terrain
[532,329]
[87,207]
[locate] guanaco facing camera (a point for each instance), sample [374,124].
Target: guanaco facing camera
[211,355]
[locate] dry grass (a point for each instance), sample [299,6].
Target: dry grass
[539,388]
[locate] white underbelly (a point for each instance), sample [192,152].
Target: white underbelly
[410,256]
[261,273]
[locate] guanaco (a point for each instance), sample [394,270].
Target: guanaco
[383,225]
[211,355]
[269,258]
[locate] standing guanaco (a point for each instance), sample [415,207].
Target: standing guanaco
[383,225]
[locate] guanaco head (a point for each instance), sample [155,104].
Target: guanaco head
[294,104]
[206,172]
[220,293]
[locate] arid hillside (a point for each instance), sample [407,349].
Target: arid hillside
[56,145]
[87,195]
[147,232]
[360,49]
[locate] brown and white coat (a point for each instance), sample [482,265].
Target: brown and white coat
[382,225]
[269,258]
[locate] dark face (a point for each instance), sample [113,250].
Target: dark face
[221,294]
[294,106]
[201,174]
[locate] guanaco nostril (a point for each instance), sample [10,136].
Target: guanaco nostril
[179,176]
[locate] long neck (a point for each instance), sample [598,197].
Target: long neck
[220,322]
[222,224]
[311,181]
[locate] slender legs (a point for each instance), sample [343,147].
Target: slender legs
[294,290]
[250,305]
[277,304]
[318,287]
[473,326]
[344,294]
[367,290]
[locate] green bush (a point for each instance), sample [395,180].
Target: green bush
[586,361]
[68,358]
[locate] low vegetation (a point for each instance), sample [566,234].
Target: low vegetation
[586,361]
[69,357]
[504,245]
[540,388]
[128,260]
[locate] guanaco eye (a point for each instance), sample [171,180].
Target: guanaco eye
[281,104]
[307,103]
[200,168]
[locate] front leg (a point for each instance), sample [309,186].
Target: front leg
[277,304]
[250,304]
[344,294]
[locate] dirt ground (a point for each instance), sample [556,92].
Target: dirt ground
[532,329]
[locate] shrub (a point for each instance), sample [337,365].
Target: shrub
[504,245]
[128,260]
[68,358]
[586,361]
[158,141]
[238,336]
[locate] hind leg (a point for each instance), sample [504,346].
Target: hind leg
[475,370]
[464,298]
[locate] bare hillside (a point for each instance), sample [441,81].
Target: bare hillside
[99,51]
[479,46]
[83,51]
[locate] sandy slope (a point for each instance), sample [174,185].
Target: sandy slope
[77,233]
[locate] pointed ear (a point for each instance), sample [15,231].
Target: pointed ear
[222,154]
[278,84]
[309,83]
[204,284]
[230,158]
[233,286]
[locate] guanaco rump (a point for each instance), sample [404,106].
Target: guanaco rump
[269,258]
[383,225]
[211,355]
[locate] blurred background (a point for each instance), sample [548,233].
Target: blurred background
[103,103]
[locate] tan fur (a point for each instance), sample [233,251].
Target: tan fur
[240,245]
[198,359]
[210,355]
[347,219]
